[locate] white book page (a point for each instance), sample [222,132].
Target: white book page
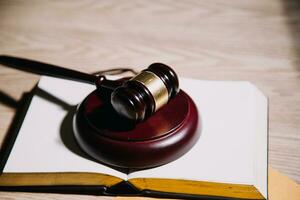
[39,146]
[225,151]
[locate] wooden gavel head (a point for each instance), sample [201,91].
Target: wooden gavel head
[141,96]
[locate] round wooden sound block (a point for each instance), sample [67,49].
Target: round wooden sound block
[112,140]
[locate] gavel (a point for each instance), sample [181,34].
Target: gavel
[135,99]
[110,123]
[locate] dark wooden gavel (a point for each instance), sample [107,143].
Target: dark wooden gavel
[136,99]
[116,141]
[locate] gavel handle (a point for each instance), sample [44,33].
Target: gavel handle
[56,71]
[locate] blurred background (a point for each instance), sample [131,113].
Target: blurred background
[257,41]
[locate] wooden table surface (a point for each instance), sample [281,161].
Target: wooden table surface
[256,41]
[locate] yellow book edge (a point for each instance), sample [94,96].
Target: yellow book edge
[57,179]
[160,185]
[202,188]
[280,188]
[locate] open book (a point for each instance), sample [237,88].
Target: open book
[228,161]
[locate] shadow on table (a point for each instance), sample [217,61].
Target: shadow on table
[291,10]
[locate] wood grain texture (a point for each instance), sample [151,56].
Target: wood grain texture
[213,40]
